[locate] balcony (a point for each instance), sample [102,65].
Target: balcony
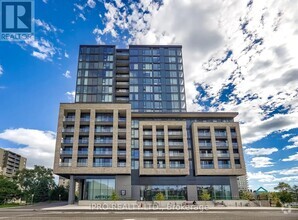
[83,152]
[220,134]
[104,119]
[122,119]
[222,145]
[206,155]
[71,119]
[121,130]
[122,84]
[122,99]
[84,130]
[238,166]
[223,155]
[85,119]
[148,154]
[83,141]
[67,141]
[204,134]
[161,165]
[224,166]
[161,154]
[102,164]
[82,164]
[233,134]
[65,164]
[177,166]
[148,165]
[175,143]
[205,145]
[121,164]
[104,130]
[66,152]
[101,141]
[69,130]
[175,154]
[160,133]
[175,133]
[121,153]
[103,152]
[207,166]
[235,145]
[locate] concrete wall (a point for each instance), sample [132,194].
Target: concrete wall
[123,182]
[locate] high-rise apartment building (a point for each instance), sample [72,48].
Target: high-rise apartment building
[11,162]
[128,131]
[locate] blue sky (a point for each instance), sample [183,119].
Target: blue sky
[238,56]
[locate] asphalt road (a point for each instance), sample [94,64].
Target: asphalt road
[126,215]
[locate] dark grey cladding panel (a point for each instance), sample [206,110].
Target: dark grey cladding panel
[178,180]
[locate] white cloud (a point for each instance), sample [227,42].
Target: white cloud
[91,3]
[286,135]
[36,145]
[67,74]
[71,96]
[80,7]
[294,144]
[285,172]
[82,16]
[1,70]
[260,36]
[264,177]
[260,151]
[47,27]
[39,55]
[291,158]
[66,55]
[45,1]
[259,162]
[43,49]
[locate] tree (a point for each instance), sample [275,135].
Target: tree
[295,193]
[284,193]
[205,196]
[8,190]
[36,183]
[59,193]
[114,196]
[246,195]
[159,196]
[282,186]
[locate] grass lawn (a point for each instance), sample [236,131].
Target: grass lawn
[9,205]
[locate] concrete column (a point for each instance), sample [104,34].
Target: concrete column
[232,161]
[154,147]
[214,148]
[192,193]
[71,193]
[234,187]
[166,140]
[115,139]
[76,138]
[91,138]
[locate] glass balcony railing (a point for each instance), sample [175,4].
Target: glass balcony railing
[177,133]
[103,152]
[67,141]
[148,154]
[102,164]
[233,134]
[148,165]
[68,130]
[122,130]
[82,152]
[161,165]
[159,133]
[69,119]
[206,155]
[100,141]
[175,143]
[84,130]
[237,166]
[235,145]
[177,165]
[83,141]
[224,166]
[104,119]
[204,144]
[148,143]
[85,119]
[222,144]
[121,164]
[220,134]
[104,130]
[67,152]
[147,133]
[175,154]
[207,166]
[121,141]
[65,164]
[160,143]
[203,134]
[82,164]
[123,153]
[122,119]
[223,155]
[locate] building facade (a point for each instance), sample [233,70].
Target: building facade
[242,183]
[128,131]
[11,162]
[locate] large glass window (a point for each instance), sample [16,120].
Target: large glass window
[220,192]
[170,192]
[99,189]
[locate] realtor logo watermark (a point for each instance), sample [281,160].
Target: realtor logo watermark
[16,20]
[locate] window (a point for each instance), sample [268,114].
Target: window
[157,97]
[157,81]
[109,73]
[147,66]
[156,74]
[148,97]
[172,59]
[147,81]
[133,59]
[156,59]
[134,96]
[175,104]
[174,96]
[133,52]
[107,82]
[133,74]
[147,59]
[155,52]
[146,52]
[157,105]
[133,80]
[134,66]
[106,98]
[156,66]
[173,67]
[134,89]
[107,89]
[148,89]
[157,89]
[172,52]
[173,81]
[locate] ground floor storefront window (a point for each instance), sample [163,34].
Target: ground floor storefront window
[216,192]
[98,189]
[170,192]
